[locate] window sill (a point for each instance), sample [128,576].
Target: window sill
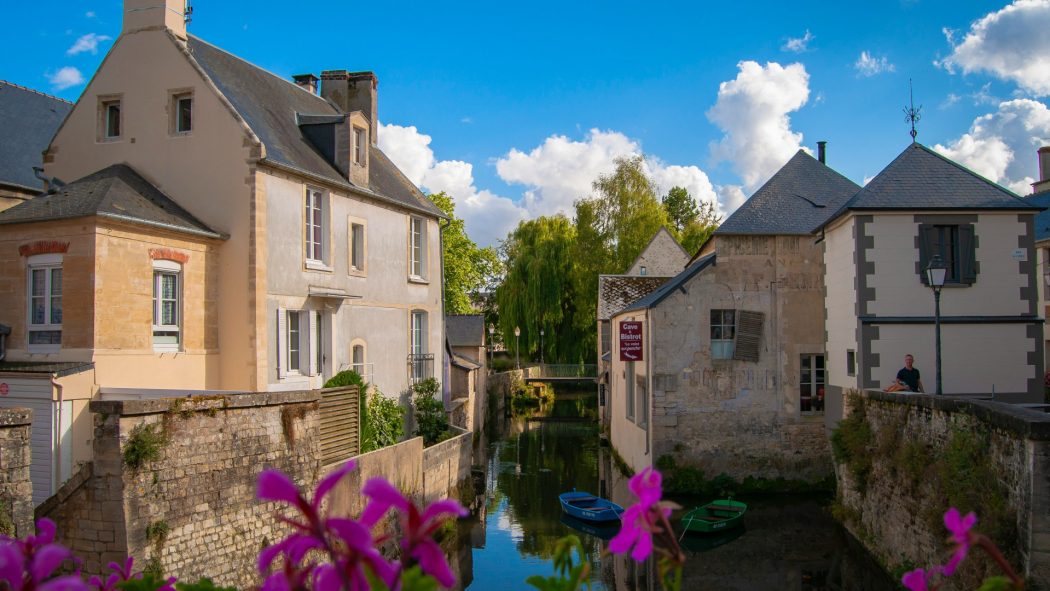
[110,140]
[44,349]
[419,280]
[358,273]
[161,350]
[175,134]
[318,266]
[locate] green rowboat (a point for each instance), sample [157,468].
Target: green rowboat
[715,516]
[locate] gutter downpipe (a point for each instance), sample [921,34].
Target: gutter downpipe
[56,472]
[446,388]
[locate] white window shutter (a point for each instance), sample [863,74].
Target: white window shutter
[282,345]
[306,350]
[315,328]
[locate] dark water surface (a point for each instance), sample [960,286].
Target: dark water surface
[789,542]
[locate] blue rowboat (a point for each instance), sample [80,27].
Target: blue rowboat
[604,531]
[585,506]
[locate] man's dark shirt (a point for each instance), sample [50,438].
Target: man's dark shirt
[910,377]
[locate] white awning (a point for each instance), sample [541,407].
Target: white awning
[331,293]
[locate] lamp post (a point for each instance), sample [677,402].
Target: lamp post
[517,356]
[541,347]
[492,346]
[936,272]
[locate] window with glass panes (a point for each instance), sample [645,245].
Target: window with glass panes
[293,341]
[313,232]
[166,309]
[45,305]
[357,247]
[418,247]
[723,333]
[183,113]
[811,384]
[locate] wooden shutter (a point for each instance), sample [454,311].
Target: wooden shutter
[282,346]
[748,335]
[927,238]
[340,414]
[307,347]
[967,255]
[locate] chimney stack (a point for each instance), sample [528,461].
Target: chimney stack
[353,91]
[145,15]
[822,152]
[1043,184]
[307,82]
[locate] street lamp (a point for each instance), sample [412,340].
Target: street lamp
[492,347]
[541,347]
[936,272]
[517,357]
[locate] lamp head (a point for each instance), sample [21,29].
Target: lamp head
[517,331]
[936,272]
[492,329]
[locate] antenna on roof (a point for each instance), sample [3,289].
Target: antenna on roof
[187,14]
[911,114]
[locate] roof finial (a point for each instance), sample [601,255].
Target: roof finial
[911,114]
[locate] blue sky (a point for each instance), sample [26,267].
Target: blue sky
[515,108]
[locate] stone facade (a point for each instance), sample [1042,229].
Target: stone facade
[895,509]
[662,257]
[16,490]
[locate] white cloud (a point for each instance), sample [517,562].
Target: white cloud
[869,65]
[732,197]
[949,100]
[798,44]
[87,43]
[1001,146]
[1010,44]
[752,110]
[65,78]
[90,14]
[487,216]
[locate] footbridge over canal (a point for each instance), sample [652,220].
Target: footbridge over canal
[551,372]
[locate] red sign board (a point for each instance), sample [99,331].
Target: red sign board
[630,341]
[4,389]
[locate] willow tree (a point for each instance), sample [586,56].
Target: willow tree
[537,291]
[627,210]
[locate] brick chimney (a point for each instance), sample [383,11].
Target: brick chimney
[307,82]
[140,15]
[1043,184]
[353,91]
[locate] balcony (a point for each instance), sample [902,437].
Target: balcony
[420,367]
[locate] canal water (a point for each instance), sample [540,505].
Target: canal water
[788,543]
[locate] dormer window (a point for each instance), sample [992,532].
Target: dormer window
[359,145]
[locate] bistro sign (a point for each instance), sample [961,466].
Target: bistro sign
[630,341]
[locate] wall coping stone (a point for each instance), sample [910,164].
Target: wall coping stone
[81,476]
[16,417]
[1024,422]
[196,403]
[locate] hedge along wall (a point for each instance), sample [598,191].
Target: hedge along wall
[903,459]
[16,489]
[173,482]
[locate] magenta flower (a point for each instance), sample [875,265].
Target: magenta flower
[420,526]
[28,565]
[918,579]
[640,519]
[960,527]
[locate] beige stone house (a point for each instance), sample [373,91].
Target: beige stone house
[28,119]
[222,229]
[879,307]
[728,371]
[467,367]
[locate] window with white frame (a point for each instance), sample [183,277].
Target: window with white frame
[811,384]
[421,364]
[294,345]
[301,343]
[182,112]
[418,248]
[44,333]
[109,118]
[723,333]
[357,247]
[315,222]
[167,305]
[359,146]
[358,359]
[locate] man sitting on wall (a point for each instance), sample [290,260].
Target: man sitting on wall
[908,378]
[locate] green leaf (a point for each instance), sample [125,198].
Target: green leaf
[148,582]
[413,579]
[202,585]
[999,583]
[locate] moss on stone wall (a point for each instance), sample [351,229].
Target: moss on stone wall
[144,445]
[851,445]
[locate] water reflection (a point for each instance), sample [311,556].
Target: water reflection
[787,543]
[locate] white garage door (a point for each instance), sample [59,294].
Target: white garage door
[35,394]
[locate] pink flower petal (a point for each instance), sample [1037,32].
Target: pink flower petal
[445,507]
[326,578]
[268,554]
[646,486]
[643,547]
[275,486]
[432,562]
[328,482]
[45,531]
[67,583]
[46,560]
[953,563]
[12,563]
[356,535]
[276,582]
[623,540]
[386,571]
[915,580]
[384,496]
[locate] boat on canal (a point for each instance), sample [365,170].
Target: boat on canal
[716,516]
[603,530]
[585,506]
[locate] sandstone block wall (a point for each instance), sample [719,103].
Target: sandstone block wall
[446,465]
[896,510]
[16,490]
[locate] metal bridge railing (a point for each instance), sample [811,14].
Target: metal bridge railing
[554,370]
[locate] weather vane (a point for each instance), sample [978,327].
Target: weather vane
[911,114]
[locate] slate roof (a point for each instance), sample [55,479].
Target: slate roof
[1042,219]
[668,288]
[272,108]
[116,192]
[617,291]
[920,178]
[801,196]
[28,121]
[465,330]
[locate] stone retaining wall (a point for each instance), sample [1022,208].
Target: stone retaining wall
[446,465]
[16,489]
[892,495]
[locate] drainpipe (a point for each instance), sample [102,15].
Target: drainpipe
[56,472]
[446,393]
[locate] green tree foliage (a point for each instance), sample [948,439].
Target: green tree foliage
[680,208]
[627,210]
[468,268]
[386,423]
[431,421]
[690,224]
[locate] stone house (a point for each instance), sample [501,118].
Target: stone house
[468,368]
[28,119]
[728,356]
[225,229]
[1041,197]
[879,308]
